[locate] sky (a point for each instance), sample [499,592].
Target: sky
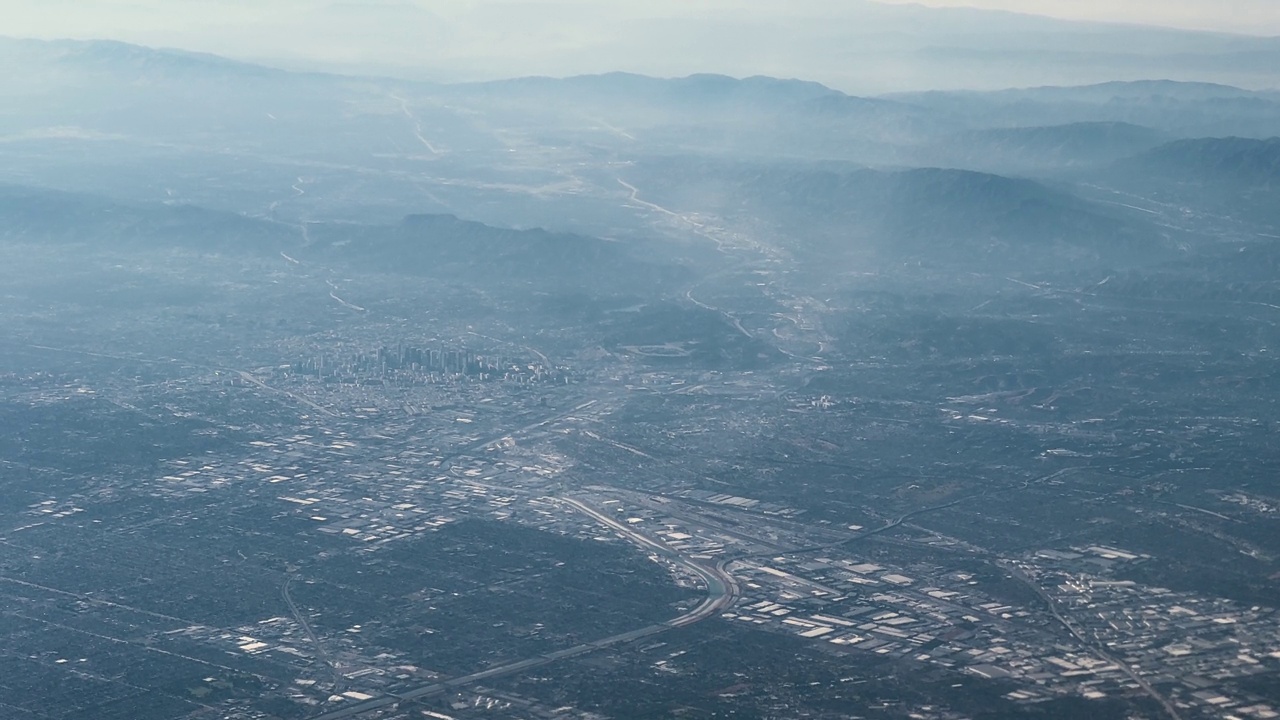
[1254,17]
[139,18]
[856,45]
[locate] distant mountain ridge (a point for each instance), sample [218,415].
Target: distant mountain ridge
[1179,109]
[49,216]
[855,45]
[110,56]
[966,215]
[1246,163]
[1116,89]
[448,247]
[719,114]
[951,217]
[632,87]
[437,246]
[1043,148]
[1232,176]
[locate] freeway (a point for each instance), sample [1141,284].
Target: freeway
[927,510]
[722,588]
[321,653]
[555,417]
[873,531]
[1098,649]
[722,592]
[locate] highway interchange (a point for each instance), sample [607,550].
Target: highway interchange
[722,591]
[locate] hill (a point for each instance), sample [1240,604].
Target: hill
[708,113]
[1232,177]
[643,90]
[444,246]
[437,246]
[1246,164]
[120,61]
[947,217]
[1179,109]
[1043,148]
[30,214]
[856,45]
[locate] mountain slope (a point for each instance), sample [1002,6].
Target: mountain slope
[86,61]
[436,246]
[1243,163]
[959,218]
[715,114]
[46,216]
[1180,109]
[1054,147]
[647,91]
[1234,177]
[444,246]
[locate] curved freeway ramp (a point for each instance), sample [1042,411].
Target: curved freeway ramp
[722,592]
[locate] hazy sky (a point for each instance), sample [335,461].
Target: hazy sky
[857,45]
[144,17]
[1257,17]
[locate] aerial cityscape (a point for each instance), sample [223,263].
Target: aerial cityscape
[351,395]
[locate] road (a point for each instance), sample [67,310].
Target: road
[932,509]
[253,380]
[1099,651]
[874,531]
[482,444]
[321,652]
[722,592]
[722,588]
[733,319]
[417,124]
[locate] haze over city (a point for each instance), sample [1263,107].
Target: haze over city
[484,360]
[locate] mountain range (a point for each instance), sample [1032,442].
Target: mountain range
[437,246]
[968,177]
[855,45]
